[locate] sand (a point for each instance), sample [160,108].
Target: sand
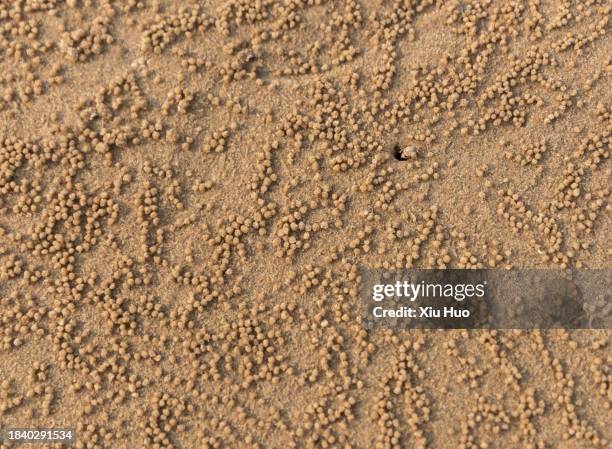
[189,190]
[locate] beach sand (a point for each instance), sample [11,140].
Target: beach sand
[189,190]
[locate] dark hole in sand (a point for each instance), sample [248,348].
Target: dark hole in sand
[397,153]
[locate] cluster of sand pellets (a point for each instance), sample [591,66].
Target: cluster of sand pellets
[189,190]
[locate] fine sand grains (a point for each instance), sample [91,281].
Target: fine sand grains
[189,190]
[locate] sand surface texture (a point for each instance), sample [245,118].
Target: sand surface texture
[188,191]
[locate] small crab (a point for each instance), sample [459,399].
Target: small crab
[406,153]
